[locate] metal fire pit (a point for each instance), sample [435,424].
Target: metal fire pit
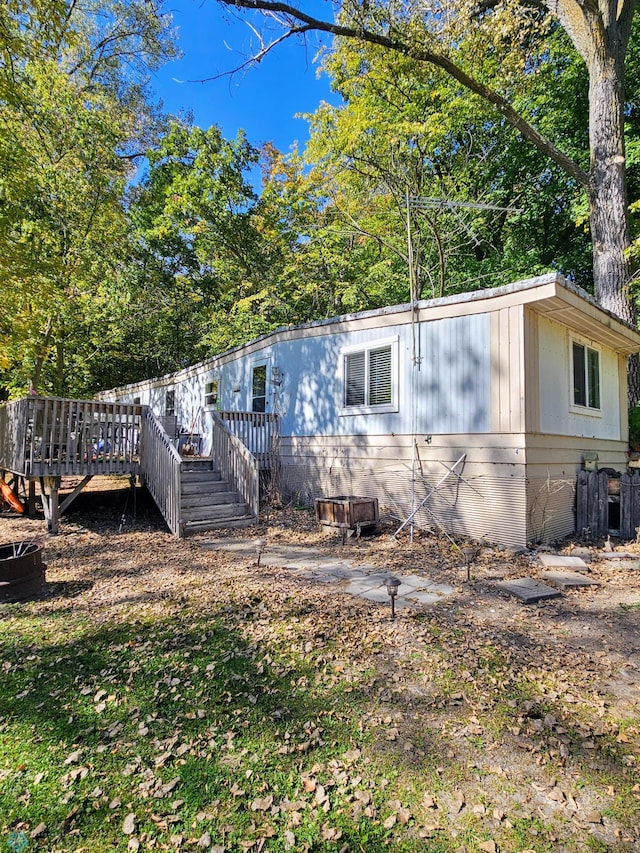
[21,570]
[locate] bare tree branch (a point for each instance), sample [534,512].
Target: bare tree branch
[289,15]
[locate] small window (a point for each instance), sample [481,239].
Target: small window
[586,376]
[259,388]
[170,403]
[368,378]
[211,393]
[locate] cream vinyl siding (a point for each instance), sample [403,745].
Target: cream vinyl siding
[489,503]
[558,414]
[507,370]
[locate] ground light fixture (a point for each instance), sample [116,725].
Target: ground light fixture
[470,555]
[260,545]
[392,585]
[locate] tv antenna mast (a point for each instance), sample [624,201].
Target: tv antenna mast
[414,202]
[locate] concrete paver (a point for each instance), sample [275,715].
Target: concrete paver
[559,561]
[363,581]
[568,580]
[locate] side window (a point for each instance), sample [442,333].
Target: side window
[259,388]
[211,394]
[370,378]
[586,376]
[170,403]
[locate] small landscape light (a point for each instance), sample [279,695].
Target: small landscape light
[260,544]
[470,555]
[392,584]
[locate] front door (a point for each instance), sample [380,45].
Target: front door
[259,388]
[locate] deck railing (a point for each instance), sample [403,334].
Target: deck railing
[14,421]
[51,436]
[160,470]
[258,431]
[236,462]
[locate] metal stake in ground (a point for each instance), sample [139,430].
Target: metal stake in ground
[470,555]
[392,585]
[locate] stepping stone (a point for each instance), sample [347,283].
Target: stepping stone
[381,597]
[583,553]
[342,574]
[422,596]
[617,555]
[414,581]
[559,561]
[528,590]
[567,580]
[365,584]
[626,565]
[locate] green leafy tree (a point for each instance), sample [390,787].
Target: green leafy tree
[73,116]
[493,50]
[203,270]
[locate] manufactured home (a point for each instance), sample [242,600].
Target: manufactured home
[472,413]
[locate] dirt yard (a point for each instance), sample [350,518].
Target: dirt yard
[526,716]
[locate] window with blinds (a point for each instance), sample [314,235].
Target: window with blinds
[368,378]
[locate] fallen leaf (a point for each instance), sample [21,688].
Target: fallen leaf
[262,804]
[39,830]
[330,833]
[129,824]
[428,802]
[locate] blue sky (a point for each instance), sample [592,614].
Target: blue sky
[262,100]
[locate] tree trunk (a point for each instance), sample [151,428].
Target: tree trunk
[609,212]
[608,195]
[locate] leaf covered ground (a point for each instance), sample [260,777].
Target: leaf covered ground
[163,695]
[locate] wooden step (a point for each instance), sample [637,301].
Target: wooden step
[202,476]
[206,487]
[216,512]
[192,527]
[195,463]
[209,499]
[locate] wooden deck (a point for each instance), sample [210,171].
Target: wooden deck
[47,438]
[55,437]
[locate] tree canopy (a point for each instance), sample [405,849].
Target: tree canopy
[469,127]
[74,111]
[494,50]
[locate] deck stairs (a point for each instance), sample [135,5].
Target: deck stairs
[48,438]
[207,501]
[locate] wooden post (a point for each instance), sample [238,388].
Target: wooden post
[50,503]
[32,497]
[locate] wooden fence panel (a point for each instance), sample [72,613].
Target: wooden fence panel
[592,504]
[629,504]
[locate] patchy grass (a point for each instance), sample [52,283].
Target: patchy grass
[168,697]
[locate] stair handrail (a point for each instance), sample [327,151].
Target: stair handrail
[237,464]
[161,470]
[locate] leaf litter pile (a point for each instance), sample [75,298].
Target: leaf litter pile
[164,695]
